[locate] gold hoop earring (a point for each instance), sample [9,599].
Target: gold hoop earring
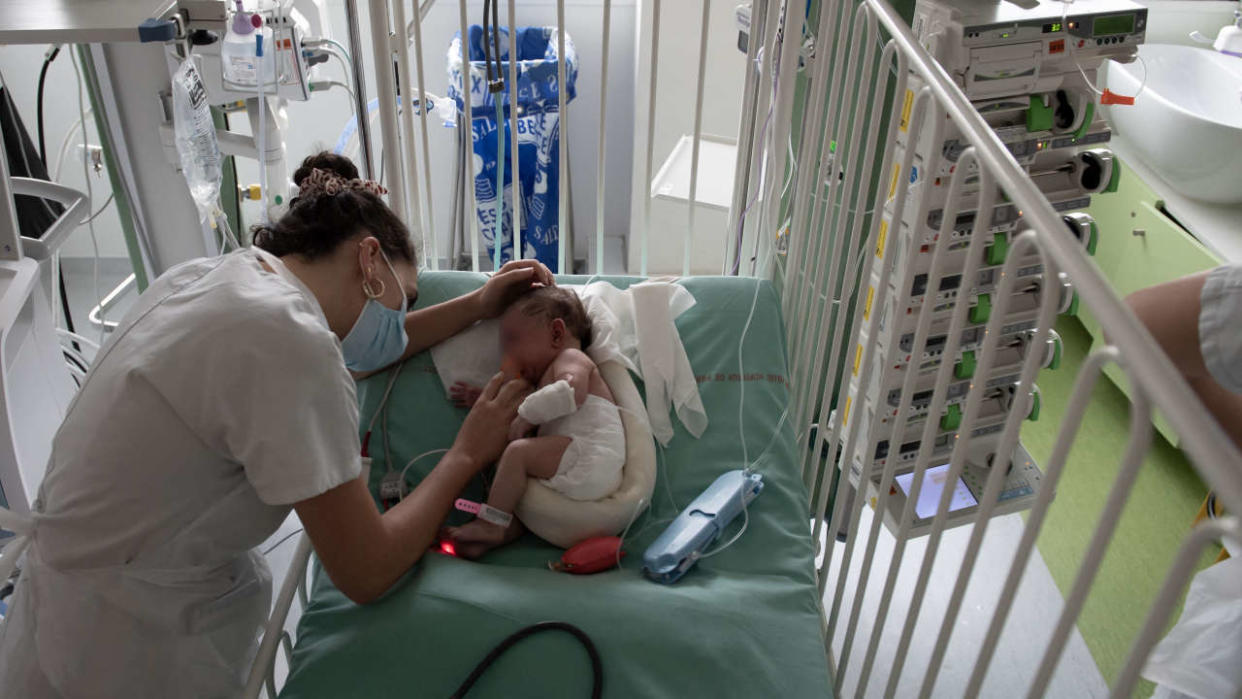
[367,288]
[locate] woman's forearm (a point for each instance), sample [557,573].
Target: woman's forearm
[363,551]
[434,324]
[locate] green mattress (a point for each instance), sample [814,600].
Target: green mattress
[744,623]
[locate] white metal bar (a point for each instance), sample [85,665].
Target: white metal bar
[1162,608]
[698,136]
[645,191]
[810,154]
[276,622]
[1009,436]
[957,321]
[432,231]
[1090,372]
[515,216]
[887,304]
[603,133]
[791,42]
[386,88]
[563,225]
[764,104]
[843,27]
[1136,449]
[467,136]
[841,419]
[361,111]
[745,137]
[407,122]
[906,402]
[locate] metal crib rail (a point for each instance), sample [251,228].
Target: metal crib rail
[823,311]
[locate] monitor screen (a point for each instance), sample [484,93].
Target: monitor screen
[933,485]
[1113,24]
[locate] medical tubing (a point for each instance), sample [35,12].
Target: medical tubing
[47,63]
[498,233]
[597,669]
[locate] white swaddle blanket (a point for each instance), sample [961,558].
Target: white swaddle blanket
[633,327]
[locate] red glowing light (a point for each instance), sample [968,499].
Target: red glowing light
[447,547]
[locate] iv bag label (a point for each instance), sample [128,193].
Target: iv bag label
[905,110]
[881,238]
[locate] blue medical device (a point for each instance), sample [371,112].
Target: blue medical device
[702,522]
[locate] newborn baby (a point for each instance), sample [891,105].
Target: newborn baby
[579,449]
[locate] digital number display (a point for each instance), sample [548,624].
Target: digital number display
[1113,24]
[1052,27]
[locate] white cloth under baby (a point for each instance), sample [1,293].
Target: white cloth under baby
[592,464]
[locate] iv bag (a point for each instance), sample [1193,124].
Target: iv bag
[195,136]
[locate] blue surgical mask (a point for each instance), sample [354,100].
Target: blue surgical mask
[378,337]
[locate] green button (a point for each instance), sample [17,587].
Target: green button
[1039,116]
[1033,416]
[1073,307]
[1094,236]
[952,418]
[982,310]
[998,250]
[966,367]
[1056,354]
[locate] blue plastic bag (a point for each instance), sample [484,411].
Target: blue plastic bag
[538,137]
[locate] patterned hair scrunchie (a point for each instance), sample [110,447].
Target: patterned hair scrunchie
[325,182]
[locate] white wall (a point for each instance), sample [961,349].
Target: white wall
[675,95]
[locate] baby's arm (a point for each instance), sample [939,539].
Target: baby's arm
[575,367]
[563,389]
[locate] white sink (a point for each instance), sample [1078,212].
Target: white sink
[1187,122]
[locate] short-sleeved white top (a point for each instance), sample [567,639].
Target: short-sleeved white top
[220,400]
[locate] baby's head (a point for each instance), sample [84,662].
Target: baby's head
[538,326]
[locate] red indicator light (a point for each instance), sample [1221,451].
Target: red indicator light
[447,548]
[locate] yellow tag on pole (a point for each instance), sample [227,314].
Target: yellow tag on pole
[845,420]
[892,188]
[867,307]
[905,110]
[857,358]
[881,239]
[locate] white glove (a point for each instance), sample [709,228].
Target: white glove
[548,403]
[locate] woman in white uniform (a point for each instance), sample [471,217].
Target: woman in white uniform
[222,400]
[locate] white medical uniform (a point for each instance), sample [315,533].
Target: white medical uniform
[1220,326]
[220,400]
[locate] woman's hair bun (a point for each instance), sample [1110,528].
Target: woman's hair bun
[324,160]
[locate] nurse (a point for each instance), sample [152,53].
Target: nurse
[222,400]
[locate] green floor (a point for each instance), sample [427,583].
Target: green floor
[1165,499]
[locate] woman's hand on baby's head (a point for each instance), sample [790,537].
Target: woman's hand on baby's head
[512,280]
[464,395]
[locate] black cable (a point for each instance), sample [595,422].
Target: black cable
[597,668]
[47,63]
[500,73]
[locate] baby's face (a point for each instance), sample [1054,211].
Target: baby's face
[529,344]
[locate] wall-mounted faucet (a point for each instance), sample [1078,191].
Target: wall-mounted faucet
[1229,40]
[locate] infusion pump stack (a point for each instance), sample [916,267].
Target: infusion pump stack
[1030,72]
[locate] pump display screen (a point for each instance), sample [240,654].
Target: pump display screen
[933,485]
[1114,24]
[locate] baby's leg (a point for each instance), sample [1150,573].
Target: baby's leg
[535,457]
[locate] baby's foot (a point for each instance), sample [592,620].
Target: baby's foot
[477,537]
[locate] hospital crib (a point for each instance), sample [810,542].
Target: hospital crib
[817,246]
